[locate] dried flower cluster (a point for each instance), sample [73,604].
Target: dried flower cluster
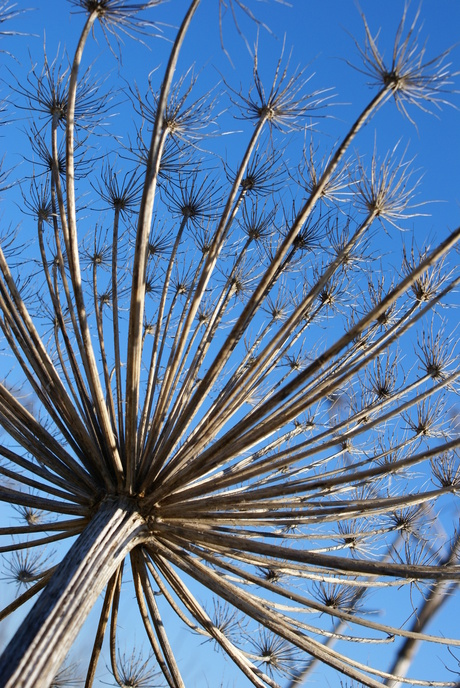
[217,413]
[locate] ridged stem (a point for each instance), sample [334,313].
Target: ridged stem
[43,640]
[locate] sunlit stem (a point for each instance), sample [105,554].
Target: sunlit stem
[56,194]
[176,363]
[256,418]
[148,625]
[233,394]
[251,606]
[101,627]
[158,341]
[116,331]
[59,269]
[98,310]
[107,432]
[231,207]
[114,623]
[436,596]
[191,342]
[136,311]
[271,273]
[157,621]
[203,620]
[43,640]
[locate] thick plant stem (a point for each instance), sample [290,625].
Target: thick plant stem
[41,643]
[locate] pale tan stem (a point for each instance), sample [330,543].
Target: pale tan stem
[108,436]
[102,625]
[46,635]
[136,311]
[272,271]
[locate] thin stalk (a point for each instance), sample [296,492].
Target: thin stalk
[59,269]
[36,485]
[206,341]
[238,389]
[173,347]
[193,606]
[166,594]
[233,203]
[356,567]
[306,603]
[31,344]
[107,436]
[255,609]
[24,499]
[436,596]
[158,623]
[227,216]
[102,625]
[114,622]
[148,626]
[159,341]
[267,280]
[27,595]
[134,351]
[257,420]
[22,425]
[39,542]
[58,313]
[116,332]
[74,523]
[100,334]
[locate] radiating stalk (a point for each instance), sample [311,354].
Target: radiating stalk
[108,435]
[272,272]
[136,321]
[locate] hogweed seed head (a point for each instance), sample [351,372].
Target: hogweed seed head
[211,406]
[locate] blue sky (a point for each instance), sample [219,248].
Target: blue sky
[321,37]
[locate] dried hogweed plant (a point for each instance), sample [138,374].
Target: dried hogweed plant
[220,417]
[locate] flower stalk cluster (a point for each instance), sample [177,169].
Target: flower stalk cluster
[221,395]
